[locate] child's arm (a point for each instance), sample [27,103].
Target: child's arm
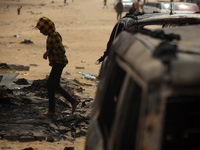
[46,54]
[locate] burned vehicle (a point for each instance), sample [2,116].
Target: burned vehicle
[167,20]
[149,96]
[147,21]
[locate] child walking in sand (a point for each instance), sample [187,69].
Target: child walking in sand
[57,60]
[19,10]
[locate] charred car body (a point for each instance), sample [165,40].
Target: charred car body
[149,21]
[148,98]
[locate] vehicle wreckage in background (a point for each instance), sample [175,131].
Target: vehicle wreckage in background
[148,98]
[170,7]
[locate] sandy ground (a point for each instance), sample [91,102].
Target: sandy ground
[85,28]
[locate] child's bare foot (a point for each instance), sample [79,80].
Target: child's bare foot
[74,105]
[49,113]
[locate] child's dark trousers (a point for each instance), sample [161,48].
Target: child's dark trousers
[53,84]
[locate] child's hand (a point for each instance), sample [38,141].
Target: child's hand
[46,55]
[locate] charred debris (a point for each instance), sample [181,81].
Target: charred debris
[22,103]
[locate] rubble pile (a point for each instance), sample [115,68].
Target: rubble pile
[21,112]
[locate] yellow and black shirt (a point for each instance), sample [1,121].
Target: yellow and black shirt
[54,43]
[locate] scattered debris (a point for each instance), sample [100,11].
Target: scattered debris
[27,42]
[43,4]
[87,84]
[29,148]
[18,67]
[80,67]
[1,77]
[67,73]
[33,13]
[75,80]
[69,148]
[50,139]
[80,133]
[83,61]
[21,110]
[4,66]
[88,76]
[7,77]
[25,74]
[21,82]
[33,65]
[17,36]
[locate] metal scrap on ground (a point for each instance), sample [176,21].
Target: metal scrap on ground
[21,108]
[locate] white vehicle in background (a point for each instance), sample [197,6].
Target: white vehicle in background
[168,7]
[179,7]
[151,7]
[127,4]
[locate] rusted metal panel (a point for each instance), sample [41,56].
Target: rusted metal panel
[8,77]
[167,18]
[134,50]
[95,140]
[137,50]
